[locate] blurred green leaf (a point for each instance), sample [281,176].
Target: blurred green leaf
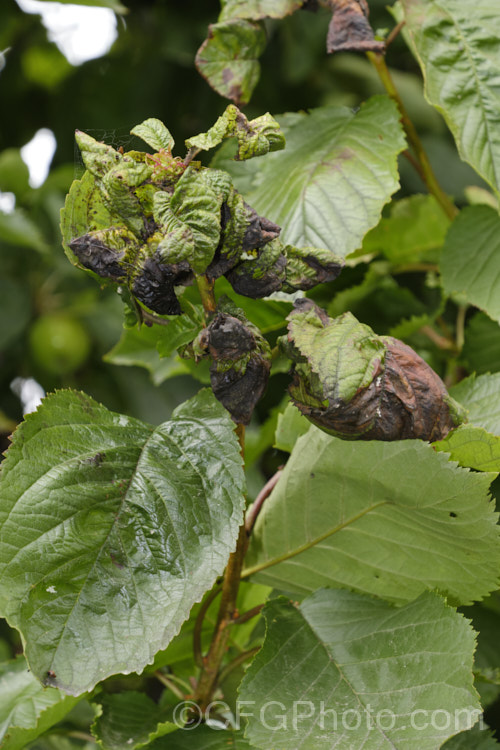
[17,228]
[15,310]
[481,397]
[130,719]
[14,174]
[473,447]
[258,9]
[291,425]
[113,4]
[477,738]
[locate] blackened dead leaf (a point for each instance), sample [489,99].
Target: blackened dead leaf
[154,284]
[241,362]
[350,30]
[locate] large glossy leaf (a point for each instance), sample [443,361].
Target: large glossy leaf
[389,519]
[458,46]
[481,397]
[349,672]
[26,708]
[203,738]
[111,530]
[338,170]
[470,262]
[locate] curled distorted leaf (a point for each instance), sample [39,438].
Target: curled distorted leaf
[98,157]
[242,231]
[241,361]
[255,137]
[258,9]
[357,385]
[154,133]
[308,266]
[261,272]
[228,58]
[106,252]
[349,28]
[117,190]
[155,281]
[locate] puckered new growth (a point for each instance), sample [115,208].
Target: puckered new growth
[152,222]
[357,385]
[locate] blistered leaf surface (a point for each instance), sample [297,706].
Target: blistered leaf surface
[111,530]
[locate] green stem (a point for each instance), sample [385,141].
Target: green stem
[170,685]
[206,289]
[427,172]
[460,327]
[211,663]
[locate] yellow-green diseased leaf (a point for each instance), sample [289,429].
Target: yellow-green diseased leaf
[228,58]
[339,169]
[18,229]
[457,44]
[291,425]
[345,663]
[477,738]
[387,519]
[115,529]
[129,720]
[120,197]
[345,355]
[473,447]
[155,134]
[256,10]
[308,266]
[255,137]
[414,231]
[85,211]
[481,397]
[98,157]
[482,344]
[192,221]
[470,261]
[27,710]
[204,738]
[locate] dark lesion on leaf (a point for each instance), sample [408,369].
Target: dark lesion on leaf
[350,30]
[98,257]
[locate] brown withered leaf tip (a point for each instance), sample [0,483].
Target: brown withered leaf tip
[97,257]
[236,383]
[350,30]
[154,284]
[405,400]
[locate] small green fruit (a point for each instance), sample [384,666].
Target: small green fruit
[59,343]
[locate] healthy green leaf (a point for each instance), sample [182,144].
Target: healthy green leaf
[481,397]
[457,44]
[204,738]
[26,708]
[129,719]
[138,522]
[477,738]
[473,447]
[414,231]
[470,261]
[228,58]
[256,10]
[155,134]
[338,170]
[347,671]
[482,344]
[388,519]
